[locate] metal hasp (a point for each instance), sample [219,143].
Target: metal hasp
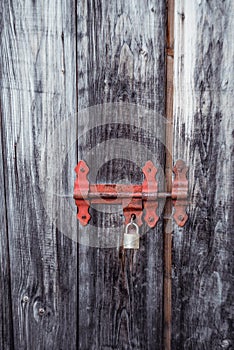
[134,198]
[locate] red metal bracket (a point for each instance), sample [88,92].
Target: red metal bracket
[81,191]
[180,192]
[150,186]
[134,198]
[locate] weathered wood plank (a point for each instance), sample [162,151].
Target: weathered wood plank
[121,58]
[38,91]
[6,341]
[202,256]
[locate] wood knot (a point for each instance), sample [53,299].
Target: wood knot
[144,53]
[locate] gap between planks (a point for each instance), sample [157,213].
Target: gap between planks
[167,231]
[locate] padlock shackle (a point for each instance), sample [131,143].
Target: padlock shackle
[132,224]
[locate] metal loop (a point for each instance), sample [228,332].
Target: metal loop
[132,224]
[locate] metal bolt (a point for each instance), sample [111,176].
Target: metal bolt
[82,170]
[41,311]
[180,217]
[25,299]
[151,219]
[149,170]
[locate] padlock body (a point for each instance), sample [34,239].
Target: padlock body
[131,241]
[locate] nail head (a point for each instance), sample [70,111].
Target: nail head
[41,311]
[25,299]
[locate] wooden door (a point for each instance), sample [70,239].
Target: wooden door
[112,83]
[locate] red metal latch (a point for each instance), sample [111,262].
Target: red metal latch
[134,198]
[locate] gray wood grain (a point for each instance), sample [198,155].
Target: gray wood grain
[38,91]
[6,327]
[59,56]
[203,250]
[121,58]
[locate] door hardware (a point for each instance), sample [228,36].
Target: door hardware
[131,239]
[134,198]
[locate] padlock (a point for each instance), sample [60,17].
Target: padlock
[131,240]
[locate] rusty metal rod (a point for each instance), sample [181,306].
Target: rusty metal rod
[126,195]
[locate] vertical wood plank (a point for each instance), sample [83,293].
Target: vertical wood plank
[38,91]
[6,329]
[121,58]
[203,279]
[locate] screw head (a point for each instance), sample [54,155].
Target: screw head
[151,219]
[41,311]
[25,299]
[149,170]
[82,170]
[181,217]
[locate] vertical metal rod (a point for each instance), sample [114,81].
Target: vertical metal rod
[168,175]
